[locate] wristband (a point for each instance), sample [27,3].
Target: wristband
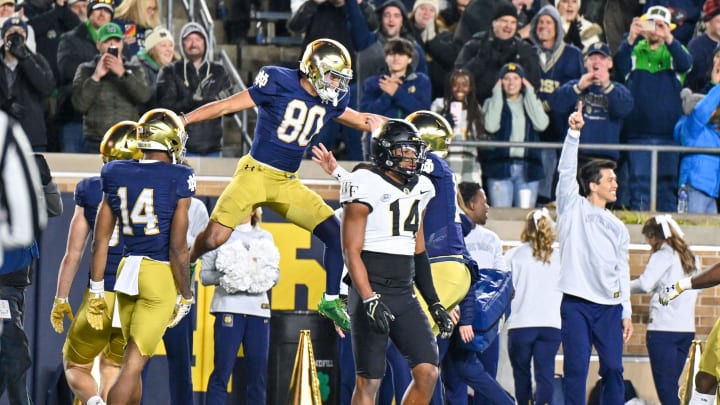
[685,284]
[372,297]
[97,286]
[185,118]
[339,172]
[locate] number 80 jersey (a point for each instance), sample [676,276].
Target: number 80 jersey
[395,210]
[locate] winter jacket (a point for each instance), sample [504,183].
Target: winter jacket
[559,65]
[25,99]
[109,100]
[412,95]
[182,88]
[698,170]
[655,78]
[76,46]
[484,55]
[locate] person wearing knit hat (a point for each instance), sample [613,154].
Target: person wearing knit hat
[702,48]
[504,8]
[106,5]
[485,53]
[511,68]
[158,51]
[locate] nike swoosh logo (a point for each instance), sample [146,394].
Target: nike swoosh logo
[426,191]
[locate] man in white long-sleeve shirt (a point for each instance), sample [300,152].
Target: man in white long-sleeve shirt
[594,276]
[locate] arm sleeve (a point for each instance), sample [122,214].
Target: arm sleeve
[567,186]
[535,110]
[423,279]
[624,271]
[208,274]
[623,60]
[360,33]
[681,58]
[492,110]
[620,101]
[657,266]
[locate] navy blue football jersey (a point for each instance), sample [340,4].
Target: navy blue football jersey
[88,194]
[443,233]
[143,196]
[288,117]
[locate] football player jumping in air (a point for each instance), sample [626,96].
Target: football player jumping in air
[83,343]
[293,105]
[150,200]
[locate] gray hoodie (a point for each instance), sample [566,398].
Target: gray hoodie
[548,56]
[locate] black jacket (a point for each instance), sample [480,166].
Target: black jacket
[177,85]
[25,99]
[484,55]
[49,26]
[76,46]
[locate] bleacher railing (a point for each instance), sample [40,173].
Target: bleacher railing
[653,149]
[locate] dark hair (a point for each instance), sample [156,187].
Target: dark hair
[590,173]
[399,46]
[467,190]
[656,237]
[476,128]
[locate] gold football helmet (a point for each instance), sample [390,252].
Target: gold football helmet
[327,65]
[120,142]
[434,130]
[161,129]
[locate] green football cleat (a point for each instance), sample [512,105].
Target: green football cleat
[335,311]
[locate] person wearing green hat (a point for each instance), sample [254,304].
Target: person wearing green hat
[107,89]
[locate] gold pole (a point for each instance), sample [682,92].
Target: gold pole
[304,384]
[688,386]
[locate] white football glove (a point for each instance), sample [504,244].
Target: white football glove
[672,291]
[182,308]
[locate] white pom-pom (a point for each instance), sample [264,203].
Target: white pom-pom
[253,269]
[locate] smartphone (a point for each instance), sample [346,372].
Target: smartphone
[456,109]
[648,25]
[113,50]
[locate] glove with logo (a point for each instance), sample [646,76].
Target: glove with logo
[672,291]
[378,314]
[442,319]
[61,306]
[96,304]
[182,308]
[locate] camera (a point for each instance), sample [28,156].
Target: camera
[113,50]
[648,25]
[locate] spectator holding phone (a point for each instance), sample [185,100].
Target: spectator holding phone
[107,89]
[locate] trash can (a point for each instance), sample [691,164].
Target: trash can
[285,327]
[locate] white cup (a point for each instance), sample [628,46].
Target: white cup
[524,196]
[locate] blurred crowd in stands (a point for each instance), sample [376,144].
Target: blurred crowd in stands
[497,69]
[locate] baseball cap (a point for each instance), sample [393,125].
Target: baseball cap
[7,2]
[98,4]
[108,31]
[659,13]
[597,47]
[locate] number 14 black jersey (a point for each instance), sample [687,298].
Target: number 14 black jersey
[395,210]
